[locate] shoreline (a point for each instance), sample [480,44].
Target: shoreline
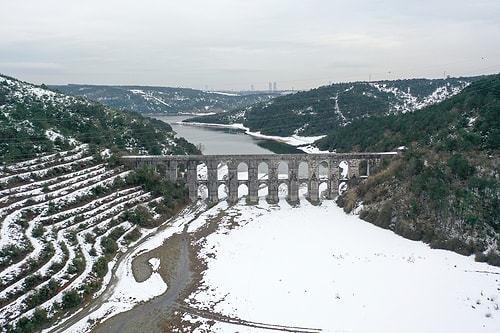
[303,143]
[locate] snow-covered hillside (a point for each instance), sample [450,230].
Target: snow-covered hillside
[406,101]
[60,216]
[36,120]
[166,100]
[319,111]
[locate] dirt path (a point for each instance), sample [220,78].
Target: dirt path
[210,315]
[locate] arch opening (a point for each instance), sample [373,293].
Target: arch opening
[242,171]
[202,171]
[222,192]
[282,191]
[303,170]
[323,170]
[202,192]
[323,190]
[342,186]
[282,170]
[343,170]
[303,189]
[222,171]
[263,171]
[242,190]
[363,168]
[263,190]
[180,171]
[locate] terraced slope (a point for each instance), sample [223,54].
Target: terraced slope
[62,224]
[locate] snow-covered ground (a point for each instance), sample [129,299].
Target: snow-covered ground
[316,268]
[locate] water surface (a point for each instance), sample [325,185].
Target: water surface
[224,141]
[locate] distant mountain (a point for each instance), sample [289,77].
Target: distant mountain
[34,120]
[157,100]
[317,111]
[444,187]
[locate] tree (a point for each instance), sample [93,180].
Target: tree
[71,299]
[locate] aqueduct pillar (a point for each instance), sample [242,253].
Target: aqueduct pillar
[233,183]
[293,181]
[253,181]
[192,182]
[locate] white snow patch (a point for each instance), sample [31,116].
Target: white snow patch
[155,264]
[52,135]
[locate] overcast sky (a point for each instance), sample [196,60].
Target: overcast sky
[234,44]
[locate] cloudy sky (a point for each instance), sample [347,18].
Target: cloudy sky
[234,44]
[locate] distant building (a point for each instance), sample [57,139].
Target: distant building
[275,87]
[270,87]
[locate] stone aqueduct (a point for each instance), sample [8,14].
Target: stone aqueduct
[319,169]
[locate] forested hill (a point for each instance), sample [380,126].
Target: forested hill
[34,120]
[444,187]
[469,120]
[317,111]
[165,100]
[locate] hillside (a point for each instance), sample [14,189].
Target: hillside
[36,120]
[316,112]
[68,209]
[165,100]
[444,187]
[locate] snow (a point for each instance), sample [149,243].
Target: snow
[52,135]
[223,93]
[155,264]
[412,103]
[315,267]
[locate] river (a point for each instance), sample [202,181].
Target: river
[224,141]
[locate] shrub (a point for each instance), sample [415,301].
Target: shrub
[38,231]
[70,299]
[384,216]
[100,267]
[109,245]
[493,258]
[133,235]
[40,317]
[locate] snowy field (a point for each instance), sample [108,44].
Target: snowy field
[316,269]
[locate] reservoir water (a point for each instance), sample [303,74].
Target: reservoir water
[228,141]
